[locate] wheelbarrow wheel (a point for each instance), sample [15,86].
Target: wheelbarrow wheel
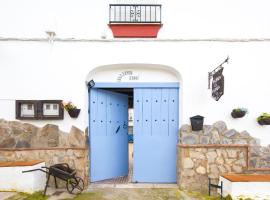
[75,185]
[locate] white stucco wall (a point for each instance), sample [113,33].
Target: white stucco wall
[39,70]
[12,178]
[181,18]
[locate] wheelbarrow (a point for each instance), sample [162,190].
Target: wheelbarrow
[74,184]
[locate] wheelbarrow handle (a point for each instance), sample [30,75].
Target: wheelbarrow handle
[32,170]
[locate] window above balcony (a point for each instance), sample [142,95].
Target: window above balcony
[135,20]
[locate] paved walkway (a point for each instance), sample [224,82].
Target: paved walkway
[5,195]
[109,194]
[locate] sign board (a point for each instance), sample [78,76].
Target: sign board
[128,76]
[218,84]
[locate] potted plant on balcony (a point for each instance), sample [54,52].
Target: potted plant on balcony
[72,110]
[239,112]
[264,119]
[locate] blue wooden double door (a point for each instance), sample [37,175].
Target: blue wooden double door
[155,134]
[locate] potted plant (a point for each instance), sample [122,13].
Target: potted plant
[196,122]
[72,110]
[239,112]
[264,119]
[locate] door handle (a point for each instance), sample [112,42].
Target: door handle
[117,129]
[124,126]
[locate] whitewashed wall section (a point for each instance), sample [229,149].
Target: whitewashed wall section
[39,70]
[182,19]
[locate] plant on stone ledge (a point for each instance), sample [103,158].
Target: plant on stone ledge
[239,112]
[264,119]
[72,110]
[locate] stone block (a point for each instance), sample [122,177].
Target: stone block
[8,143]
[226,141]
[220,160]
[244,134]
[190,139]
[230,133]
[237,169]
[76,137]
[188,163]
[232,153]
[197,155]
[240,141]
[23,144]
[215,138]
[220,126]
[229,161]
[241,162]
[207,130]
[201,170]
[185,128]
[211,156]
[204,140]
[188,172]
[213,171]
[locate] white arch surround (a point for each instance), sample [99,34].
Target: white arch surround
[148,73]
[134,72]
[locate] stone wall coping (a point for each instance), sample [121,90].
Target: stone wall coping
[258,169]
[212,145]
[51,148]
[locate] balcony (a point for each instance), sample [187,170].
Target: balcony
[135,20]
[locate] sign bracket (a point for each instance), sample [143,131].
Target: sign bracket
[210,74]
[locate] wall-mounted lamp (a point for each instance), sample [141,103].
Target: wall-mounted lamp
[91,83]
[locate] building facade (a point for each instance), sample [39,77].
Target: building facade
[52,50]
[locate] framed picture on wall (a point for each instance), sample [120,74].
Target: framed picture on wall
[51,109]
[39,109]
[26,109]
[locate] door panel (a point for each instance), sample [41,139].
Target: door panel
[108,134]
[155,134]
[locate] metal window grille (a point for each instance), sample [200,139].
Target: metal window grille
[135,13]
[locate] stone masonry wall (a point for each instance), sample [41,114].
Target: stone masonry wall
[24,142]
[217,150]
[15,134]
[197,164]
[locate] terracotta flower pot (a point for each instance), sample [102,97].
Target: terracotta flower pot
[74,113]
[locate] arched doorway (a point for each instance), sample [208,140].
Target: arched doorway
[152,92]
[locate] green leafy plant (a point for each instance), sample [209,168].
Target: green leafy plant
[241,110]
[264,119]
[263,116]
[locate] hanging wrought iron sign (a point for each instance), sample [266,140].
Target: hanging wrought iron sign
[217,81]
